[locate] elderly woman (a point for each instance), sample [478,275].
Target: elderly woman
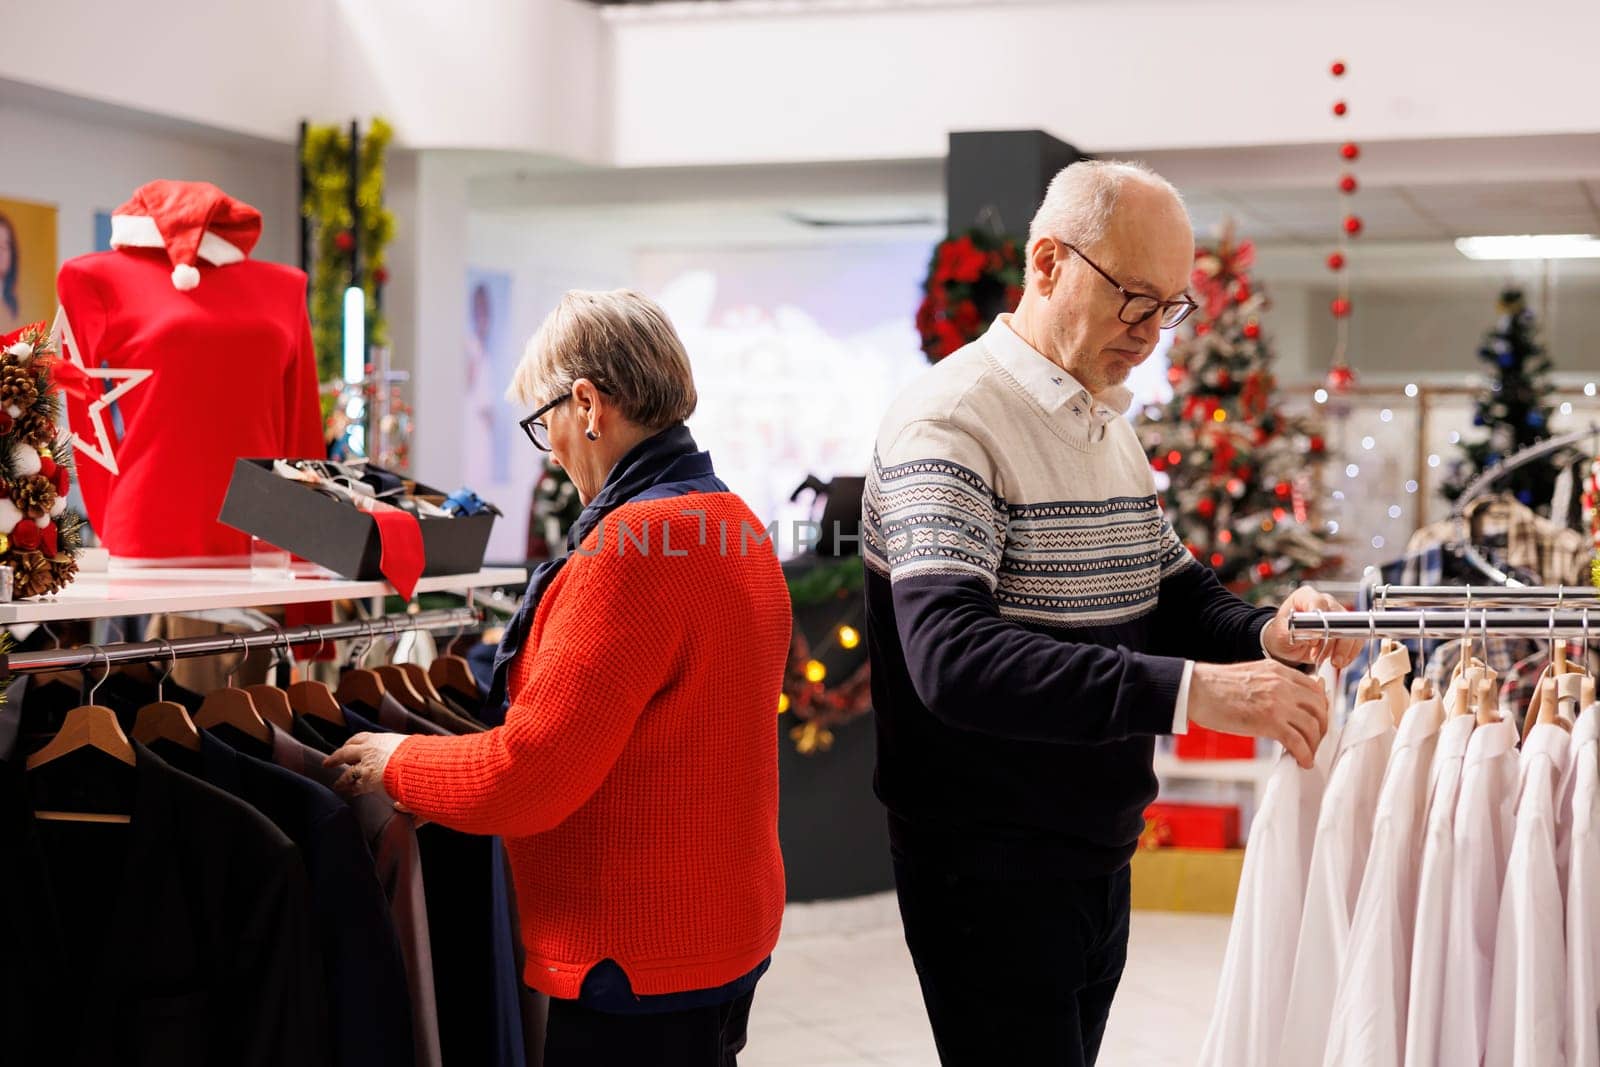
[635,777]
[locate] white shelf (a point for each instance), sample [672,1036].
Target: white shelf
[153,591]
[1252,771]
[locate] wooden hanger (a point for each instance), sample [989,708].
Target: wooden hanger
[1569,693]
[421,682]
[397,683]
[89,726]
[162,719]
[453,673]
[357,685]
[233,707]
[273,705]
[1487,710]
[316,700]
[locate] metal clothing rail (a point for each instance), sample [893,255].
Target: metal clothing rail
[1466,596]
[60,659]
[1476,623]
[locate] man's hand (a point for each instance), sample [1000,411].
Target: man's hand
[1261,698]
[1309,648]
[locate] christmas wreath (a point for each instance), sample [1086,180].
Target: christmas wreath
[972,279]
[39,537]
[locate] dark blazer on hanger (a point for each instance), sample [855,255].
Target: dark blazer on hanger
[182,938]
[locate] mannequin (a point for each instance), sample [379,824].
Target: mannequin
[234,370]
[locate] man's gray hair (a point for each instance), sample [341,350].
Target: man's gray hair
[1078,205]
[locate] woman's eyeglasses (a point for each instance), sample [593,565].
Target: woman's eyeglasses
[537,431]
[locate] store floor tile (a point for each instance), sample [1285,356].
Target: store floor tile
[842,991]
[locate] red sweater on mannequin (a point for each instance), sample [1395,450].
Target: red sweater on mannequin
[235,376]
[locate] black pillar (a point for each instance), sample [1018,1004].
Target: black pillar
[995,179]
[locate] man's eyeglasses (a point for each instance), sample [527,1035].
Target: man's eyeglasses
[1138,307]
[537,431]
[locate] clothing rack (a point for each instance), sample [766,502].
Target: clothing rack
[60,659]
[1475,623]
[1555,596]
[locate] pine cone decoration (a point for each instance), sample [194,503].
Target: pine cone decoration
[35,428]
[62,572]
[18,387]
[33,496]
[32,575]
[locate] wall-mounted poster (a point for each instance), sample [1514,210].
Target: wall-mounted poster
[487,438]
[27,263]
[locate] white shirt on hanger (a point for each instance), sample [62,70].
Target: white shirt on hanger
[1527,994]
[1583,893]
[1369,1009]
[1482,836]
[1247,1021]
[1425,998]
[1338,860]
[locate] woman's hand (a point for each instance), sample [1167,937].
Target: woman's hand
[366,755]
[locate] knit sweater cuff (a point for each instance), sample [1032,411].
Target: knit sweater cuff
[1161,678]
[392,770]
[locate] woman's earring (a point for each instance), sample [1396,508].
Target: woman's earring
[591,435]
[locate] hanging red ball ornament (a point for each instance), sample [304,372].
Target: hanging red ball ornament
[1337,70]
[344,241]
[1340,307]
[1317,445]
[1264,570]
[1341,378]
[1206,508]
[1336,261]
[1252,330]
[1282,489]
[1352,225]
[1347,184]
[1350,150]
[1340,107]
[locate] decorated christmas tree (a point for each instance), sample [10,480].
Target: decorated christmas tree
[1238,472]
[1513,406]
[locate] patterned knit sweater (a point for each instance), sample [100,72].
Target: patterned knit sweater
[1029,614]
[635,779]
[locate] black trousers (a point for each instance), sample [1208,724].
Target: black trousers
[700,1037]
[1014,971]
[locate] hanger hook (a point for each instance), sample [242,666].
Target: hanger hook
[98,653]
[52,634]
[244,654]
[172,665]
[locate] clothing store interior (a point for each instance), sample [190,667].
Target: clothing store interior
[545,532]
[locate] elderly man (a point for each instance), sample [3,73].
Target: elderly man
[1034,624]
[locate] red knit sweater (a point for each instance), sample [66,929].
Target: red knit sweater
[636,777]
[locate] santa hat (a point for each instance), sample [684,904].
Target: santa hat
[192,221]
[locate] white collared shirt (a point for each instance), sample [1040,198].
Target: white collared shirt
[1527,1002]
[1338,862]
[1369,1008]
[1583,893]
[1425,998]
[1247,1021]
[1483,828]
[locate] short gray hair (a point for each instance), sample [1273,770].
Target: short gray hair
[623,342]
[1081,198]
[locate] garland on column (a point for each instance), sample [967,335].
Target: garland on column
[327,204]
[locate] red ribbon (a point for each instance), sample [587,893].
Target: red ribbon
[70,378]
[400,555]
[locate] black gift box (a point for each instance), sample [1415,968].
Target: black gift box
[333,533]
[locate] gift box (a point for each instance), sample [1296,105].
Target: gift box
[1182,879]
[1200,826]
[1200,743]
[335,534]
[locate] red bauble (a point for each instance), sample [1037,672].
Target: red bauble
[1340,107]
[49,542]
[1175,375]
[1174,457]
[1336,261]
[47,467]
[1202,328]
[25,535]
[1282,489]
[344,241]
[1341,378]
[1206,508]
[1242,293]
[1317,446]
[1264,570]
[1216,559]
[1158,464]
[1350,150]
[1352,224]
[1252,330]
[381,276]
[1340,307]
[1337,70]
[1347,184]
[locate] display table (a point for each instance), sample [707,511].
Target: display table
[154,590]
